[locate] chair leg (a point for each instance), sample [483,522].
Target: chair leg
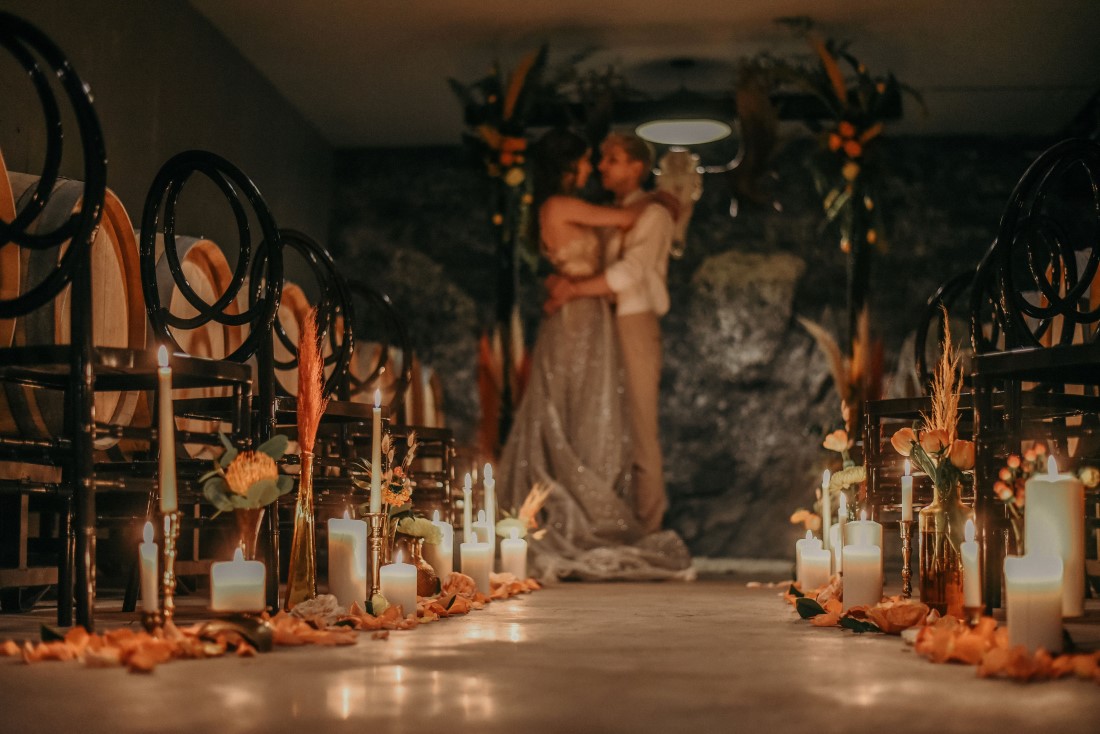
[65,559]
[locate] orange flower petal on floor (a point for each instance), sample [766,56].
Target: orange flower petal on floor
[829,619]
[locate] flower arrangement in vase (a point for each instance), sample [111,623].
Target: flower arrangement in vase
[396,485]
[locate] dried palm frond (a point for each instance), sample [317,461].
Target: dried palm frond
[837,364]
[534,501]
[946,387]
[311,378]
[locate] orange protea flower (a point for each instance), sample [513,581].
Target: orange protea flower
[397,492]
[837,440]
[934,441]
[903,440]
[248,468]
[962,454]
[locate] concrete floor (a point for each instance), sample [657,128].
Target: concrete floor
[709,656]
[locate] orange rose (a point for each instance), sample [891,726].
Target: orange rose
[853,149]
[962,454]
[1003,491]
[1029,455]
[903,441]
[1013,462]
[1040,449]
[846,129]
[933,441]
[837,440]
[1005,474]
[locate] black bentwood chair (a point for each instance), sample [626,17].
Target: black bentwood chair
[1042,384]
[70,368]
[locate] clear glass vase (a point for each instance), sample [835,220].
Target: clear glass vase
[248,526]
[942,525]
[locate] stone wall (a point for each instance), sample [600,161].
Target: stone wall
[747,397]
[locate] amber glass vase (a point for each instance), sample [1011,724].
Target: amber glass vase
[941,533]
[301,581]
[248,525]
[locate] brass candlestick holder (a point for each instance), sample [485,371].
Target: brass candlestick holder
[168,580]
[906,558]
[376,535]
[151,621]
[973,615]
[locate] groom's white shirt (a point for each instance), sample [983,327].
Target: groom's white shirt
[637,262]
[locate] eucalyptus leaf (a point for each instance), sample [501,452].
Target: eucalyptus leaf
[275,446]
[225,441]
[285,484]
[858,626]
[263,492]
[215,492]
[808,608]
[227,457]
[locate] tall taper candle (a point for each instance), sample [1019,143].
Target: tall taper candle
[972,578]
[468,509]
[907,494]
[826,509]
[491,503]
[166,433]
[376,454]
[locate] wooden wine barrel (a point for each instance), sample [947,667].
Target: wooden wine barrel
[118,310]
[208,273]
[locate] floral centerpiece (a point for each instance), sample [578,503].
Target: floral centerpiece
[244,483]
[936,449]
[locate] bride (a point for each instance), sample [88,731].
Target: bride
[571,429]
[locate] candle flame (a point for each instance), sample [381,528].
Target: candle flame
[435,516]
[481,515]
[825,477]
[908,468]
[238,555]
[863,515]
[968,532]
[162,356]
[399,557]
[488,472]
[467,483]
[347,515]
[147,533]
[515,533]
[1052,466]
[809,534]
[378,398]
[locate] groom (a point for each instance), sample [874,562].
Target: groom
[636,280]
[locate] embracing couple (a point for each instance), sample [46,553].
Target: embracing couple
[587,425]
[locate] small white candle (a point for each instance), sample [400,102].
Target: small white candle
[815,568]
[441,555]
[347,560]
[972,578]
[467,509]
[800,547]
[166,433]
[907,494]
[490,502]
[476,563]
[513,555]
[376,455]
[147,552]
[237,585]
[826,510]
[1055,523]
[1033,591]
[862,575]
[481,528]
[863,531]
[397,582]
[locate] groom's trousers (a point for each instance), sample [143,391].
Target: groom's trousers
[640,342]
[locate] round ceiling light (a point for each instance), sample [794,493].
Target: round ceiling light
[683,132]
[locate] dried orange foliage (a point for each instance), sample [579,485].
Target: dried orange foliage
[895,615]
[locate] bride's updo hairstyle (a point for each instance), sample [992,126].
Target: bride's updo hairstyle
[553,157]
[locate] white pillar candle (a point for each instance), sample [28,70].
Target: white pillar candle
[166,433]
[826,510]
[467,509]
[838,548]
[441,555]
[397,582]
[237,585]
[476,562]
[863,532]
[347,560]
[907,494]
[481,528]
[1033,591]
[815,568]
[800,547]
[490,502]
[972,578]
[513,555]
[147,553]
[376,454]
[862,575]
[1055,523]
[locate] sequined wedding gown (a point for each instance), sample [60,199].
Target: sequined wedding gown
[571,432]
